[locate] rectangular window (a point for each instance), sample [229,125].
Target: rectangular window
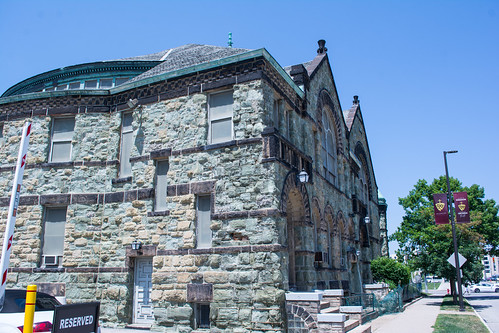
[53,236]
[287,124]
[120,80]
[275,114]
[105,83]
[220,117]
[62,87]
[62,134]
[74,85]
[203,214]
[126,145]
[161,185]
[201,315]
[91,84]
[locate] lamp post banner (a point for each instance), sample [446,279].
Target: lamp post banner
[440,208]
[462,207]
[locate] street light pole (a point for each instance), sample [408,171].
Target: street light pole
[456,254]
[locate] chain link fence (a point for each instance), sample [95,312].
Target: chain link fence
[394,301]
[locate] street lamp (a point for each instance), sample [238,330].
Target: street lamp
[453,224]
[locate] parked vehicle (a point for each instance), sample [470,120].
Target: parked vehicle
[435,279]
[12,314]
[485,287]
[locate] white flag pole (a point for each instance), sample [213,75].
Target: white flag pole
[14,202]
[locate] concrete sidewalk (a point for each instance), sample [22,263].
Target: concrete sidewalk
[418,317]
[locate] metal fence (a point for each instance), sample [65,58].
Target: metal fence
[394,301]
[367,301]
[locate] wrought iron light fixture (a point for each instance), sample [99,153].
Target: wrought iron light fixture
[136,245]
[132,103]
[303,176]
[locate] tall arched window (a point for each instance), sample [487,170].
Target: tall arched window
[328,148]
[364,192]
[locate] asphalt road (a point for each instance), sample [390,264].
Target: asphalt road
[487,306]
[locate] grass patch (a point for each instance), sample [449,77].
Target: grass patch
[433,285]
[448,305]
[449,323]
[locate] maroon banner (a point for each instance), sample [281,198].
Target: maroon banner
[462,207]
[440,208]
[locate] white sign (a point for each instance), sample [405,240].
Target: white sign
[452,260]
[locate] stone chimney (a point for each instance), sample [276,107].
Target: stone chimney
[356,100]
[322,47]
[300,76]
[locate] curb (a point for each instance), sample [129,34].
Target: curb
[481,319]
[411,302]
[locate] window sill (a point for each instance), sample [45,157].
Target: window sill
[58,164]
[220,145]
[159,213]
[122,180]
[48,269]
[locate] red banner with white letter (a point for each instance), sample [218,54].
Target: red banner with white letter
[440,208]
[462,207]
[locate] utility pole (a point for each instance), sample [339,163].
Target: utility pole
[456,254]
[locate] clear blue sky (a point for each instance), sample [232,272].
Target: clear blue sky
[426,72]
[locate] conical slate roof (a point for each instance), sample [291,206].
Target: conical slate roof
[182,57]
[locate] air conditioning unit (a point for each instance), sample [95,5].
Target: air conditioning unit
[51,261]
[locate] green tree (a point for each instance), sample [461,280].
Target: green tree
[391,271]
[427,246]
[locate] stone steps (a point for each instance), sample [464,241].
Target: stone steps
[351,324]
[324,305]
[331,310]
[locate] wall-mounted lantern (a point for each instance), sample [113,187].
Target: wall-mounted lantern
[367,220]
[303,176]
[132,103]
[136,245]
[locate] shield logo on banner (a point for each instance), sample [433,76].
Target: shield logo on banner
[462,211]
[440,208]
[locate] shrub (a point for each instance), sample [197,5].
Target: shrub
[390,271]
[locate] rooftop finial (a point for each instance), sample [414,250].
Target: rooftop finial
[356,100]
[230,39]
[322,46]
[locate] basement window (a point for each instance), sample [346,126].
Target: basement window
[201,315]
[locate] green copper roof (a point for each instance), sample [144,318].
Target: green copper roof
[184,60]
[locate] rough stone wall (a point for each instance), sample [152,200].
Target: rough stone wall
[306,138]
[247,279]
[358,139]
[247,268]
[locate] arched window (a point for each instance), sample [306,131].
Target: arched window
[328,148]
[333,242]
[363,189]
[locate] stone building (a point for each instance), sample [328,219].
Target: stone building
[166,187]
